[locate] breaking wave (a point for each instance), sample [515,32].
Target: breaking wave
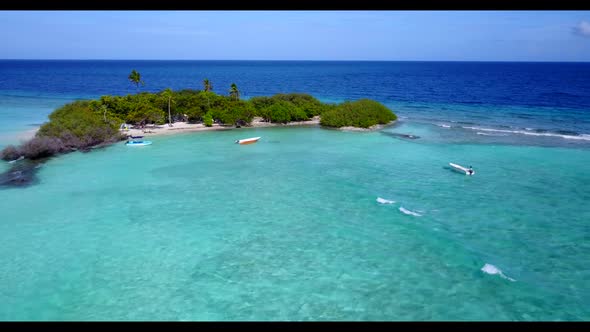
[384,201]
[491,269]
[528,131]
[408,212]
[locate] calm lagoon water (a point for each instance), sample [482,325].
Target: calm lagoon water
[195,227]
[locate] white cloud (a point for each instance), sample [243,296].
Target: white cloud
[582,29]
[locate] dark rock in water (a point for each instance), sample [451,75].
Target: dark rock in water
[397,135]
[22,174]
[568,132]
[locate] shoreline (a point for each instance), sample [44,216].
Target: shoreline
[372,128]
[183,127]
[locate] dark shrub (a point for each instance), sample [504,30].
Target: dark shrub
[10,152]
[77,125]
[307,103]
[42,147]
[279,112]
[363,113]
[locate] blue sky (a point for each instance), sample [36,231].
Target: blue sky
[297,35]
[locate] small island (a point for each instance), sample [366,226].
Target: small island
[87,124]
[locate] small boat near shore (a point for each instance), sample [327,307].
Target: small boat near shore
[248,140]
[138,143]
[467,171]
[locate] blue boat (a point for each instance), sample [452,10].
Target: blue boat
[138,143]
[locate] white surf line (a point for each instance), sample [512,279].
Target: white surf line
[13,161]
[408,212]
[491,269]
[384,201]
[585,137]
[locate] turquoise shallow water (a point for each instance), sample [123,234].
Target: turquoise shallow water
[195,227]
[21,114]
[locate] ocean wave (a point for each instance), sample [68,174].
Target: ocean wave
[561,94]
[417,106]
[444,125]
[566,132]
[13,161]
[572,135]
[36,96]
[491,269]
[488,134]
[384,201]
[469,102]
[408,212]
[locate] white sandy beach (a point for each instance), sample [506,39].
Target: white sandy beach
[188,127]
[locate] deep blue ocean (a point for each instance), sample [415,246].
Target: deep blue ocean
[297,226]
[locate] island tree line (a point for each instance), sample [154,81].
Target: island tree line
[83,124]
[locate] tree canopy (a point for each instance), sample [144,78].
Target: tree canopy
[135,78]
[362,113]
[83,124]
[192,105]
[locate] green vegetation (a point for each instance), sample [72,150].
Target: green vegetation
[208,120]
[84,124]
[283,108]
[229,110]
[167,95]
[76,126]
[207,85]
[192,105]
[362,113]
[135,78]
[234,93]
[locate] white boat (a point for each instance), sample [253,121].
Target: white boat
[467,171]
[138,143]
[248,140]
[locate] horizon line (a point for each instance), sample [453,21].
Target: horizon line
[300,60]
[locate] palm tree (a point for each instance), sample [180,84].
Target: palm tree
[208,88]
[135,78]
[207,85]
[234,92]
[104,109]
[167,94]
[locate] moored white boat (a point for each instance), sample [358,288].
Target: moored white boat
[467,171]
[248,140]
